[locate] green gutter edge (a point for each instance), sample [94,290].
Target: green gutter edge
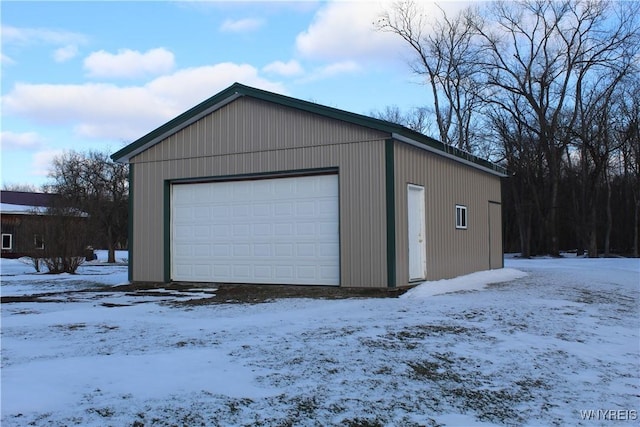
[166,228]
[130,227]
[390,193]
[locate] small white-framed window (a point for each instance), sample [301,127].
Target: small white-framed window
[7,241]
[461,217]
[38,241]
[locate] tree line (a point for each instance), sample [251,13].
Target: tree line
[93,184]
[89,209]
[550,89]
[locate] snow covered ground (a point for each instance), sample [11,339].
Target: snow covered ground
[541,342]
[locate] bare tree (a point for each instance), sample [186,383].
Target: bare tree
[629,134]
[64,239]
[416,119]
[524,159]
[544,52]
[444,55]
[28,188]
[98,186]
[56,237]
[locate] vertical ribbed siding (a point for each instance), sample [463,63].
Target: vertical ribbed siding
[250,136]
[450,251]
[251,125]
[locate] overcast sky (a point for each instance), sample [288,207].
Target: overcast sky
[99,75]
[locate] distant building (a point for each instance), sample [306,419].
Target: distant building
[21,216]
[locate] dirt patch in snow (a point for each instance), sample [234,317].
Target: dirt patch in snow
[228,293]
[208,293]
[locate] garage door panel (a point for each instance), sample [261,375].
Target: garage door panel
[306,208]
[305,229]
[263,271]
[262,250]
[241,250]
[284,209]
[281,230]
[221,270]
[241,210]
[220,250]
[241,230]
[285,272]
[326,272]
[283,249]
[202,251]
[184,250]
[325,250]
[306,272]
[305,249]
[262,230]
[202,270]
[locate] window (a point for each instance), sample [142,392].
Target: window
[38,241]
[461,217]
[7,241]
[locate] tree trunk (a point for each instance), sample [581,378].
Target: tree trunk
[635,228]
[523,216]
[609,221]
[112,250]
[525,237]
[554,248]
[593,232]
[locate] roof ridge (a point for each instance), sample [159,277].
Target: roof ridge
[237,90]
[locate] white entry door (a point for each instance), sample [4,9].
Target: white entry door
[279,231]
[416,229]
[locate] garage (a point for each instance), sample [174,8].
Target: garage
[256,187]
[281,230]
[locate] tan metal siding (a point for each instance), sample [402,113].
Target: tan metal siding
[251,125]
[250,136]
[450,252]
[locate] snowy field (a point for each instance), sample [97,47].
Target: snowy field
[541,342]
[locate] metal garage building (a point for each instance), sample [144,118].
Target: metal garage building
[255,187]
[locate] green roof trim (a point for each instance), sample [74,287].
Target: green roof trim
[237,90]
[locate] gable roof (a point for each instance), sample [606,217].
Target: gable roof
[24,202]
[26,198]
[238,90]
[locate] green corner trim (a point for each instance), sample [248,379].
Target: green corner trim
[130,227]
[166,208]
[389,169]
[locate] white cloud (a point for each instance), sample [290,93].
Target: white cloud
[287,69]
[241,25]
[332,70]
[339,68]
[25,140]
[129,63]
[16,35]
[345,31]
[67,41]
[189,86]
[127,112]
[65,53]
[6,60]
[42,161]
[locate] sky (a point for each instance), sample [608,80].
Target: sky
[99,75]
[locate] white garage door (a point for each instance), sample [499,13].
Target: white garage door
[282,230]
